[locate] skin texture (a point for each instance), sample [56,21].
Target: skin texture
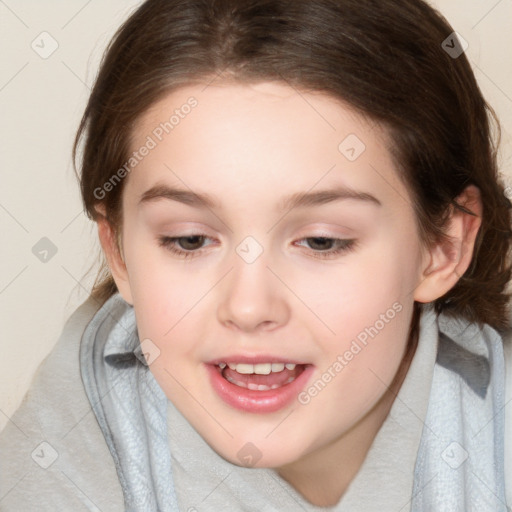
[249,146]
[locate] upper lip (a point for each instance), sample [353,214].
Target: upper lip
[254,359]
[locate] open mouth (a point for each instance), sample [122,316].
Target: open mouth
[261,376]
[259,388]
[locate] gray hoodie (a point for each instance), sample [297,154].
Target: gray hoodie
[55,456]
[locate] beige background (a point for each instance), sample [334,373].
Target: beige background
[41,101]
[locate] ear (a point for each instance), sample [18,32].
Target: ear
[447,261]
[112,253]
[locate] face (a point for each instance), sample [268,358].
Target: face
[268,231]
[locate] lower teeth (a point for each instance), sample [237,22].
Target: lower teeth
[257,387]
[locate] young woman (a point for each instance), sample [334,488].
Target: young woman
[307,251]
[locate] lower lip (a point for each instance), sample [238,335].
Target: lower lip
[250,400]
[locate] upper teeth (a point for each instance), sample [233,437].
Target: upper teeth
[260,368]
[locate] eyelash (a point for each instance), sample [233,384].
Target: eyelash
[345,245]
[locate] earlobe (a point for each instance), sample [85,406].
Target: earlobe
[447,261]
[112,253]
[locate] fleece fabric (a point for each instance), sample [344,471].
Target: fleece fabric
[96,432]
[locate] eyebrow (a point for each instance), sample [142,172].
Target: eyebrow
[296,200]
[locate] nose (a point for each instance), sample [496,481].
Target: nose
[252,297]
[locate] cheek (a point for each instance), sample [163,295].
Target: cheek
[360,364]
[368,307]
[165,307]
[354,295]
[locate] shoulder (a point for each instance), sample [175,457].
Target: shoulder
[507,347]
[52,451]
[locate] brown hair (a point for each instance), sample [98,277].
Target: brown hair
[383,57]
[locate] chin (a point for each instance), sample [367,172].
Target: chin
[258,454]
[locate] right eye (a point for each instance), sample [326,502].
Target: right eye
[187,243]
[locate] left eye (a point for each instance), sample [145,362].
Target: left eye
[335,246]
[190,246]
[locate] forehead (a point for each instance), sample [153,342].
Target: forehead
[270,134]
[269,105]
